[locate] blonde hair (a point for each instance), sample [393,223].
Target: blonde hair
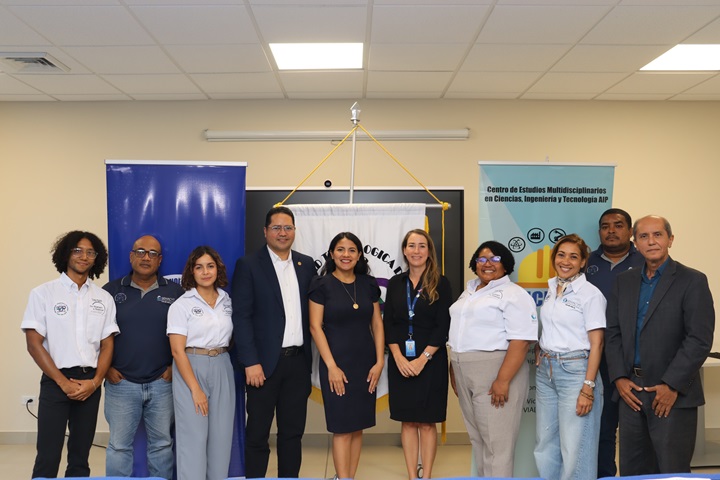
[431,276]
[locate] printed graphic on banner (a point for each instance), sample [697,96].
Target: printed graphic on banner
[184,205]
[528,207]
[380,228]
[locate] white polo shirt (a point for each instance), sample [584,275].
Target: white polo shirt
[72,320]
[290,290]
[487,319]
[566,321]
[204,326]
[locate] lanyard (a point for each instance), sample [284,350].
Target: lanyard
[411,306]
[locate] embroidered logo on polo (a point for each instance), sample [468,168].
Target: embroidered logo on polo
[577,306]
[97,306]
[227,308]
[592,270]
[197,311]
[120,297]
[61,308]
[166,300]
[497,294]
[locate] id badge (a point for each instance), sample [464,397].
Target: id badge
[409,348]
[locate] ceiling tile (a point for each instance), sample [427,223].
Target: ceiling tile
[659,83]
[707,34]
[430,82]
[427,57]
[25,98]
[429,23]
[84,25]
[555,82]
[493,82]
[323,81]
[197,24]
[91,97]
[311,24]
[512,58]
[652,97]
[69,84]
[709,86]
[533,24]
[483,95]
[15,32]
[557,96]
[650,25]
[12,86]
[608,58]
[128,59]
[135,84]
[220,58]
[237,83]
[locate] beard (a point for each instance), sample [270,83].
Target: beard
[619,248]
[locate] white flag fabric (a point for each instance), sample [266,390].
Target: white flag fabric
[380,228]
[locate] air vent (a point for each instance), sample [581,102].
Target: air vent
[33,62]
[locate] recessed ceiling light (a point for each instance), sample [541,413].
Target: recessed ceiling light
[317,56]
[687,58]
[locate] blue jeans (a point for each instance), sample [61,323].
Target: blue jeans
[566,445]
[126,404]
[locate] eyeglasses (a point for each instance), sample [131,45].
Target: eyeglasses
[141,252]
[483,260]
[78,252]
[285,228]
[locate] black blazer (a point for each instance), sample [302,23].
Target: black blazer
[258,311]
[676,335]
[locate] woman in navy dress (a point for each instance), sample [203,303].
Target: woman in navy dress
[346,325]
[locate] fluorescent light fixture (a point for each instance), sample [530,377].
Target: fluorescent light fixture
[687,58]
[317,56]
[329,135]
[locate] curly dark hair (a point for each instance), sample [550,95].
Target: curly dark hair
[64,244]
[361,267]
[497,248]
[188,279]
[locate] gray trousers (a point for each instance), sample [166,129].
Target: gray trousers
[493,431]
[203,443]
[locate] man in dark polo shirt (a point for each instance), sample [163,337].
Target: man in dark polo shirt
[138,384]
[616,254]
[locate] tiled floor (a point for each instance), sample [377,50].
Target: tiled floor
[376,462]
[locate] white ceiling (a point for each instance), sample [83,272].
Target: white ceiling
[490,49]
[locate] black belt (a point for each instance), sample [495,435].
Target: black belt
[291,351]
[637,371]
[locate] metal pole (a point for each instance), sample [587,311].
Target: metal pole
[355,119]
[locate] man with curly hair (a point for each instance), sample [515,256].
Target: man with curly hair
[69,325]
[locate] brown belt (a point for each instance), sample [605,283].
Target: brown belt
[210,352]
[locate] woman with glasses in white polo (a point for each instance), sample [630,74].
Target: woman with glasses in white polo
[492,325]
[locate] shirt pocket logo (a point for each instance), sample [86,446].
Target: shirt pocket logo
[61,308]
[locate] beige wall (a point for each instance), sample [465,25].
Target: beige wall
[53,176]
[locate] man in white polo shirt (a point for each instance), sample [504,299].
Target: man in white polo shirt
[69,325]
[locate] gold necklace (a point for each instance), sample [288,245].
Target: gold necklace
[355,304]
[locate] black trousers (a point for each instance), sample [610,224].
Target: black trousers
[56,412]
[285,394]
[651,444]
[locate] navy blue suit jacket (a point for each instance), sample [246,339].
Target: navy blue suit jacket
[258,311]
[676,335]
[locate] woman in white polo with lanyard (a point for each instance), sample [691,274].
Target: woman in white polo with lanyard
[568,401]
[200,327]
[492,325]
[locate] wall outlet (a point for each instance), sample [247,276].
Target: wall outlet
[33,399]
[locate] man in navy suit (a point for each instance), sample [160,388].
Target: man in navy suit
[272,340]
[660,323]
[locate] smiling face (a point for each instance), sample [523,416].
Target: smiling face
[205,272]
[488,270]
[280,234]
[568,260]
[346,255]
[145,266]
[81,263]
[416,251]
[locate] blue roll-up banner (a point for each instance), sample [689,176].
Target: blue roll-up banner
[528,207]
[184,204]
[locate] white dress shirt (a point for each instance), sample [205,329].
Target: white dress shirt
[487,319]
[566,321]
[203,325]
[72,320]
[285,270]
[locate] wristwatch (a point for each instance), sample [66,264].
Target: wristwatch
[589,383]
[427,354]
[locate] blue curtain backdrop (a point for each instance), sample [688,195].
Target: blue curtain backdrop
[183,204]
